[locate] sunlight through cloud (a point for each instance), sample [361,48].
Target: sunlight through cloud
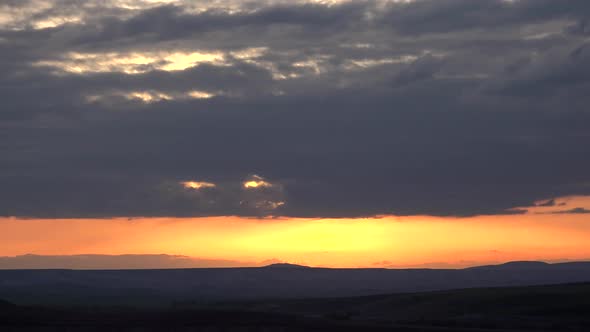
[256,182]
[198,185]
[130,63]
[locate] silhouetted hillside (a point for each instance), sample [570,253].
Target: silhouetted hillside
[531,304]
[162,287]
[286,266]
[5,304]
[538,308]
[519,265]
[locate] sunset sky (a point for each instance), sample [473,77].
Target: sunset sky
[416,133]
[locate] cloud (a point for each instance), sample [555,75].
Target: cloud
[578,210]
[358,108]
[559,205]
[456,16]
[548,203]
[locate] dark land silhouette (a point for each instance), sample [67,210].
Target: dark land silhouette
[532,308]
[517,296]
[158,288]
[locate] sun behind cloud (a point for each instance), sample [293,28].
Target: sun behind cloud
[198,185]
[256,181]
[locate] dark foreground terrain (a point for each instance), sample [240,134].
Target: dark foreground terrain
[534,308]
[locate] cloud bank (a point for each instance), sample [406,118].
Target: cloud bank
[344,108]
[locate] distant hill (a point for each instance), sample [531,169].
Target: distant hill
[518,265]
[286,266]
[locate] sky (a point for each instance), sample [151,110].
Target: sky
[424,133]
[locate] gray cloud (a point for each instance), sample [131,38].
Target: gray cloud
[548,203]
[449,107]
[577,210]
[455,16]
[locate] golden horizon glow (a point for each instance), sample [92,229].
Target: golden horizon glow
[388,241]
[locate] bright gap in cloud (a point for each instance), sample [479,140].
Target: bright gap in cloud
[130,63]
[560,205]
[38,14]
[151,96]
[198,185]
[256,182]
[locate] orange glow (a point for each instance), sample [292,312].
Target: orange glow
[255,184]
[378,242]
[198,185]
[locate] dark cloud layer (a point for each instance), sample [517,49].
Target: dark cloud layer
[577,210]
[441,107]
